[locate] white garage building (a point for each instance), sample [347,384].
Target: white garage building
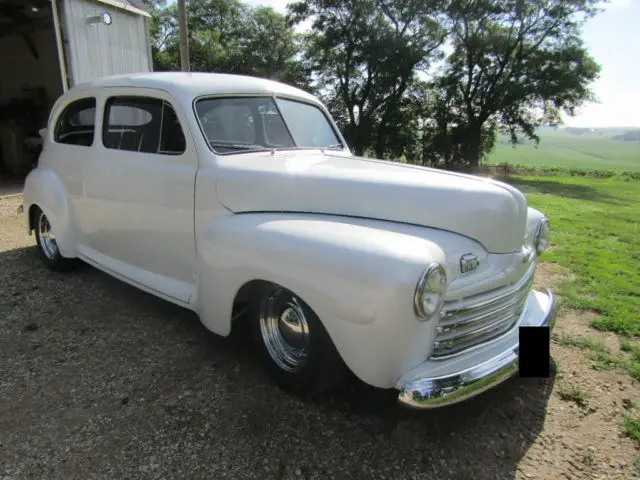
[46,46]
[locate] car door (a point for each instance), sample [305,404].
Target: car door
[139,192]
[73,134]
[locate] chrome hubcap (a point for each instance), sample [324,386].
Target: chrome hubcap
[47,237]
[284,329]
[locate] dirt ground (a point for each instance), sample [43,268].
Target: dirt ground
[100,380]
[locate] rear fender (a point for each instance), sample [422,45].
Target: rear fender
[44,189]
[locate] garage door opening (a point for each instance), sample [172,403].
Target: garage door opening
[46,45]
[30,83]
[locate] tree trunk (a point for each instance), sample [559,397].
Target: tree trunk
[353,137]
[380,145]
[473,157]
[358,150]
[356,142]
[381,136]
[472,150]
[383,126]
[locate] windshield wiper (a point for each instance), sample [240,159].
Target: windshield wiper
[238,146]
[334,146]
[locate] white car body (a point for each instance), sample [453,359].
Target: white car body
[350,236]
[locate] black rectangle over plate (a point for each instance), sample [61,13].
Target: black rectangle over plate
[534,351]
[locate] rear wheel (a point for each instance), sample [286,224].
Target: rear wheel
[294,346]
[48,246]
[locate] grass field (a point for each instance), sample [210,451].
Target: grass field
[561,149]
[596,228]
[596,249]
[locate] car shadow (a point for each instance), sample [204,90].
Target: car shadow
[162,379]
[562,189]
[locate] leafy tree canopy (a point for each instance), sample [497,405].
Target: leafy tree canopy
[516,64]
[432,81]
[228,36]
[364,55]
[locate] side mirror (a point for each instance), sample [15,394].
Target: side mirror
[42,132]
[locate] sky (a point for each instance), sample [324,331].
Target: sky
[612,37]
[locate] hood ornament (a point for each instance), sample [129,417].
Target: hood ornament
[468,262]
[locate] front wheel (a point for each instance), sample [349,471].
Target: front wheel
[48,246]
[294,346]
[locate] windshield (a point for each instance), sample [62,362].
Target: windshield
[234,125]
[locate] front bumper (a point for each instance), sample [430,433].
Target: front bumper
[419,390]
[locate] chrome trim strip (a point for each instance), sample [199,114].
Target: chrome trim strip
[433,392]
[478,346]
[467,337]
[135,283]
[464,328]
[521,283]
[454,324]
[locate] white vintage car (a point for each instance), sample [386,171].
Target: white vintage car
[238,198]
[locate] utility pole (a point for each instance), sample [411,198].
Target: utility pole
[184,42]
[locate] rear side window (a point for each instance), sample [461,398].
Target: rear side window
[142,124]
[77,123]
[172,140]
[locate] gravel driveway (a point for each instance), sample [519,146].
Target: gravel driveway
[100,380]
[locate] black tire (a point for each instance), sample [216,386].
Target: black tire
[47,246]
[322,367]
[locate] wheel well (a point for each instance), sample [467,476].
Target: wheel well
[244,296]
[33,211]
[329,370]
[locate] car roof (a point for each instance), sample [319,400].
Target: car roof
[195,84]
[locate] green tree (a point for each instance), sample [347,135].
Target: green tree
[270,47]
[163,28]
[516,64]
[216,34]
[443,132]
[228,36]
[364,56]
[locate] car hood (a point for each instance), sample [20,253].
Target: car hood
[487,211]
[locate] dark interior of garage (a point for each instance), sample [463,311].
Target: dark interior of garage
[30,83]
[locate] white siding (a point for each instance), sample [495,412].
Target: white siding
[98,50]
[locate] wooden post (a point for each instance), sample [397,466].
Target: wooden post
[59,46]
[184,37]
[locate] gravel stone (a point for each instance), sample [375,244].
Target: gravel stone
[99,380]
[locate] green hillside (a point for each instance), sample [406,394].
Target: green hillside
[593,150]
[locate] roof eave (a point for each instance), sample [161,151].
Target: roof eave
[125,6]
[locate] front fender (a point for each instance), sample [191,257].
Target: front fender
[358,276]
[44,188]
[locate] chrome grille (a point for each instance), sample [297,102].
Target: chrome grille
[478,319]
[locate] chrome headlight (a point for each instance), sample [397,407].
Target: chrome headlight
[429,295]
[543,237]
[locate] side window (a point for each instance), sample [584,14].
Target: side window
[132,123]
[77,123]
[142,124]
[172,140]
